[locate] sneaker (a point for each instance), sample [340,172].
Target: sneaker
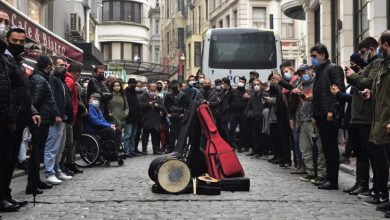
[318,181]
[377,199]
[52,179]
[63,176]
[306,178]
[366,195]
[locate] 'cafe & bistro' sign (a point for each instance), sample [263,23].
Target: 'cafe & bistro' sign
[41,36]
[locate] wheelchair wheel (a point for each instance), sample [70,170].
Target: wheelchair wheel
[89,150]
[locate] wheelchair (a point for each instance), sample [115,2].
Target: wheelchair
[96,152]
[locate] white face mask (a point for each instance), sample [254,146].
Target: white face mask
[191,83]
[218,87]
[152,93]
[201,81]
[138,89]
[95,103]
[85,85]
[241,85]
[256,88]
[3,30]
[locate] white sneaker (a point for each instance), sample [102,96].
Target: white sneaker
[53,180]
[63,176]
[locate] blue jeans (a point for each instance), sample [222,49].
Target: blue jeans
[297,149]
[129,138]
[54,143]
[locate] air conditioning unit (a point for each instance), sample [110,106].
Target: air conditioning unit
[75,29]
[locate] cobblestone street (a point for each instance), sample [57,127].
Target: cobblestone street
[124,193]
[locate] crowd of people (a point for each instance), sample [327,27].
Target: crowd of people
[291,119]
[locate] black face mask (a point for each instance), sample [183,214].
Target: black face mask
[15,49]
[206,87]
[60,72]
[159,89]
[175,88]
[355,68]
[100,77]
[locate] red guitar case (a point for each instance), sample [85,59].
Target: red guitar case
[221,160]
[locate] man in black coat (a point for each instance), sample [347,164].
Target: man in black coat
[153,109]
[175,105]
[325,109]
[239,101]
[43,101]
[226,113]
[15,104]
[96,85]
[132,120]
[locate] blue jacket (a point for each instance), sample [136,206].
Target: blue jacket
[94,120]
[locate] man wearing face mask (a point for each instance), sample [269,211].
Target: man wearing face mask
[4,27]
[191,92]
[325,109]
[175,104]
[97,85]
[55,142]
[202,79]
[226,112]
[160,91]
[361,114]
[239,102]
[43,100]
[153,109]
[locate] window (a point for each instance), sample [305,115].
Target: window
[157,54]
[189,55]
[228,21]
[360,21]
[180,5]
[121,50]
[287,27]
[336,27]
[157,26]
[220,23]
[198,54]
[200,18]
[317,25]
[259,17]
[212,5]
[180,38]
[167,7]
[34,10]
[122,10]
[207,9]
[234,18]
[168,40]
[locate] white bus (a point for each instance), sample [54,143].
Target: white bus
[234,52]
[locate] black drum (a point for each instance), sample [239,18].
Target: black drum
[171,174]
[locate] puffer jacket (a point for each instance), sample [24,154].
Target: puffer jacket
[381,103]
[323,100]
[42,97]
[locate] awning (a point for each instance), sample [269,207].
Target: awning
[42,36]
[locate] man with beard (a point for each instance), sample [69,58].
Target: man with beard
[97,85]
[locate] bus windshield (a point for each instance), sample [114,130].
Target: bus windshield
[245,50]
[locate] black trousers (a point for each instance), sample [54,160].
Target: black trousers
[280,139]
[155,139]
[137,136]
[39,136]
[329,138]
[381,167]
[174,131]
[256,135]
[238,120]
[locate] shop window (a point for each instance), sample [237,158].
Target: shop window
[34,10]
[121,51]
[122,10]
[360,21]
[287,27]
[259,17]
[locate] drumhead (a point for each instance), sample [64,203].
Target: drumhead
[174,176]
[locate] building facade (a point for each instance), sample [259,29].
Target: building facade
[339,24]
[154,32]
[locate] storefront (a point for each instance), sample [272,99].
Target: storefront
[40,40]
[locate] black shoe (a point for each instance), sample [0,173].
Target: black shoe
[246,149]
[277,161]
[384,207]
[144,153]
[360,189]
[352,188]
[328,186]
[74,168]
[30,191]
[377,199]
[239,150]
[387,214]
[318,181]
[22,165]
[136,154]
[6,206]
[284,165]
[43,185]
[366,195]
[129,155]
[68,172]
[17,202]
[250,154]
[256,156]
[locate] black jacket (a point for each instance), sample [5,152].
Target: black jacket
[151,114]
[61,95]
[226,102]
[135,114]
[175,103]
[281,111]
[238,102]
[97,86]
[42,97]
[344,117]
[323,101]
[211,95]
[255,106]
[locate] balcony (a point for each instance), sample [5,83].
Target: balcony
[293,9]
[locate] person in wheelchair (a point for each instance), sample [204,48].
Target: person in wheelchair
[95,123]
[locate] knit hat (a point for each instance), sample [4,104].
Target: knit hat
[358,60]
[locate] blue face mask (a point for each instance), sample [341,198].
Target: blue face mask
[315,62]
[379,52]
[305,77]
[287,76]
